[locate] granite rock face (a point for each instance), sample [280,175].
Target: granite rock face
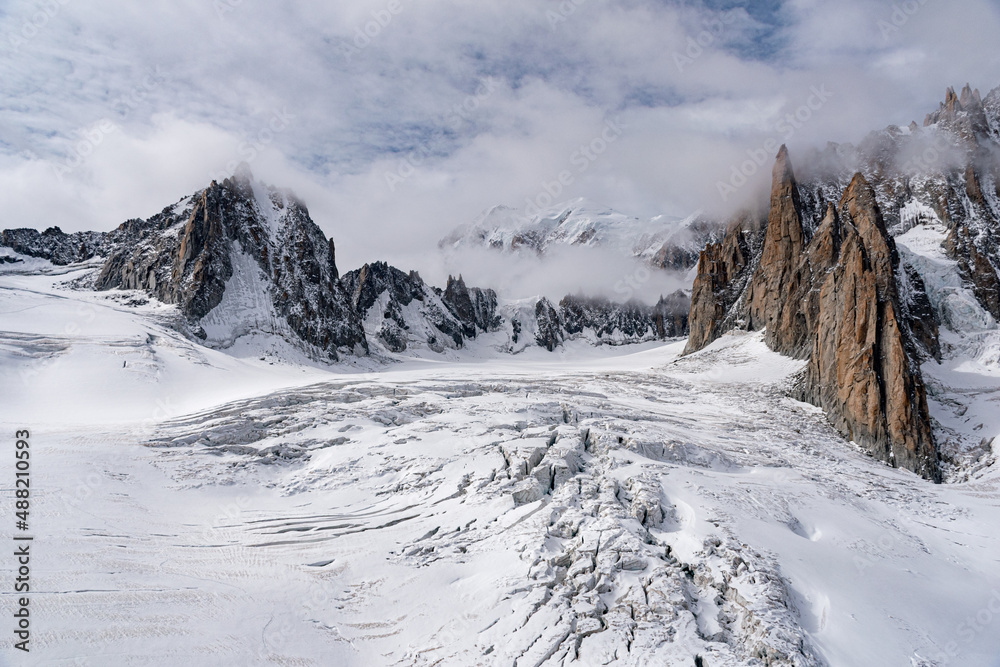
[829,284]
[474,307]
[863,368]
[946,171]
[834,300]
[782,279]
[724,270]
[187,254]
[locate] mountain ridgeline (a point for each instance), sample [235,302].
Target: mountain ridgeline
[817,267]
[822,274]
[241,258]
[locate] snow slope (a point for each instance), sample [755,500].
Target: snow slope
[962,389]
[578,222]
[592,507]
[575,222]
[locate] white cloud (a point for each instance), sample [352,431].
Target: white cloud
[220,78]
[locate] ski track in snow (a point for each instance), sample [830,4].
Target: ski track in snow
[642,509]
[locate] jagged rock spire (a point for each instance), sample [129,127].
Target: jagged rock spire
[835,302]
[775,290]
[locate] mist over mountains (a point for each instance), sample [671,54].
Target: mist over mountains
[673,439]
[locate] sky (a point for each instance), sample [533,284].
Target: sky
[399,120]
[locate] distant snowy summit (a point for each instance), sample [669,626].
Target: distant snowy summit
[662,242]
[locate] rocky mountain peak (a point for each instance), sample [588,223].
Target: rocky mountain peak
[969,97]
[964,113]
[781,273]
[240,256]
[242,173]
[834,301]
[55,245]
[860,209]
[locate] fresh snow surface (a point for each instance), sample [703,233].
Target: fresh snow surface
[18,263]
[246,307]
[269,209]
[601,506]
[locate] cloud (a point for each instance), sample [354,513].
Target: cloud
[469,103]
[591,271]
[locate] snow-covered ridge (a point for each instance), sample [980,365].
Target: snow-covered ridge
[581,222]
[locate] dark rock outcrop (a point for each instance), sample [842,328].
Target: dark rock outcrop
[414,312]
[474,307]
[671,314]
[55,245]
[186,255]
[366,285]
[724,270]
[975,266]
[549,333]
[240,258]
[625,323]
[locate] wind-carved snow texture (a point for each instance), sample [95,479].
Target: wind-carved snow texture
[593,518]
